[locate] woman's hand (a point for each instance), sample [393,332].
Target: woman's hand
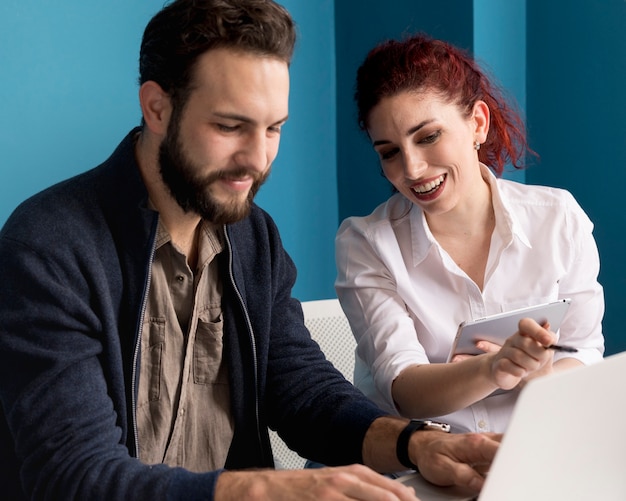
[523,356]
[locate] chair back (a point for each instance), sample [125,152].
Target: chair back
[330,328]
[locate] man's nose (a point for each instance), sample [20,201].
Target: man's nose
[254,153]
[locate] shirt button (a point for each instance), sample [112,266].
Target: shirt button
[180,278]
[482,424]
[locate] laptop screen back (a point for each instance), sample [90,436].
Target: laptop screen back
[566,439]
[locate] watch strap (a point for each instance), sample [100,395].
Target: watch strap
[402,445]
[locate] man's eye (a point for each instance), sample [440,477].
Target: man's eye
[227,128]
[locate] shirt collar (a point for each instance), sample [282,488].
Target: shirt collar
[507,223]
[211,241]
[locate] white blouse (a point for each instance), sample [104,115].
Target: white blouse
[405,297]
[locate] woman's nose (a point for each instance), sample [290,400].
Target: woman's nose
[414,165]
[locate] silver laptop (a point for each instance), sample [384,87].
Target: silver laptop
[566,441]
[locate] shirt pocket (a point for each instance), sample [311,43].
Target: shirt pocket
[153,358]
[208,364]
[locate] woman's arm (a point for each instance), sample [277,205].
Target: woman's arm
[438,389]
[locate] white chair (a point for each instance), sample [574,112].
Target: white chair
[330,328]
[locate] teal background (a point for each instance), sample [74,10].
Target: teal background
[68,95]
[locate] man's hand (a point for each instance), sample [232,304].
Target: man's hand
[355,482]
[454,459]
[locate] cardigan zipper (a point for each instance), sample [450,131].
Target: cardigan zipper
[250,335]
[133,381]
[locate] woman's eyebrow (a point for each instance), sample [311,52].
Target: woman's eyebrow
[412,130]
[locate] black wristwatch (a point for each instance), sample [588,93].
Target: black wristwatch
[402,446]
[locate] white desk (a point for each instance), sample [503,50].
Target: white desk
[429,492]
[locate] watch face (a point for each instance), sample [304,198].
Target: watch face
[434,425]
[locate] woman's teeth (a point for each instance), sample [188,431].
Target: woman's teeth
[425,188]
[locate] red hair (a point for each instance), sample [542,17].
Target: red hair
[423,63]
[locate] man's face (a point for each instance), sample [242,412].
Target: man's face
[219,148]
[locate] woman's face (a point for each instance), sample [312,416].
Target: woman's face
[427,148]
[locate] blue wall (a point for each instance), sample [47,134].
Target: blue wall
[67,92]
[301,194]
[577,123]
[500,47]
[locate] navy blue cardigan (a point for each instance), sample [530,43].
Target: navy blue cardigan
[74,272]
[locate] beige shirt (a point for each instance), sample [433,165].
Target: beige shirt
[183,411]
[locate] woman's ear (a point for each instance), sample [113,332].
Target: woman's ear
[480,118]
[156,107]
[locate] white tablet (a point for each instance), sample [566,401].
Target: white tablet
[497,328]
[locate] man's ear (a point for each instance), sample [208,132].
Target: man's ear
[481,118]
[156,107]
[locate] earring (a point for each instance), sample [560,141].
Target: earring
[477,146]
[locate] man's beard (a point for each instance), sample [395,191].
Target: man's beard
[191,190]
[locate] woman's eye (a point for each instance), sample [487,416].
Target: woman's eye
[431,138]
[387,154]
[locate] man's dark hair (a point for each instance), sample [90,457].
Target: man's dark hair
[185,29]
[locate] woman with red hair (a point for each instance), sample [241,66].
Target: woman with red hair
[457,242]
